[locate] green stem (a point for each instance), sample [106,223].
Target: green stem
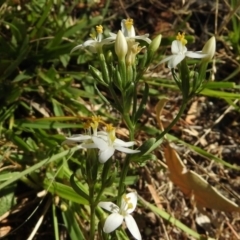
[123,73]
[134,106]
[126,162]
[129,124]
[92,213]
[122,178]
[169,127]
[99,194]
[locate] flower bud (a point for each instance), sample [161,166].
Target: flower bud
[209,49]
[152,48]
[121,46]
[96,74]
[154,45]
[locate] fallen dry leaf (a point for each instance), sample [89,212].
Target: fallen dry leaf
[190,183]
[194,186]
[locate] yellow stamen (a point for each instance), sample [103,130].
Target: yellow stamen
[126,198]
[87,125]
[181,37]
[96,118]
[129,23]
[109,128]
[95,122]
[129,206]
[111,132]
[99,29]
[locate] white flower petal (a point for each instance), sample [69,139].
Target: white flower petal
[89,145]
[100,143]
[103,135]
[175,61]
[100,133]
[126,150]
[178,48]
[132,227]
[123,28]
[144,38]
[104,138]
[112,222]
[109,206]
[77,47]
[167,59]
[131,33]
[78,138]
[133,201]
[113,35]
[195,54]
[175,47]
[104,155]
[89,42]
[109,40]
[120,142]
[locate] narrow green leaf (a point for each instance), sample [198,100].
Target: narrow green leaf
[57,108]
[18,141]
[77,188]
[38,165]
[46,10]
[55,222]
[64,191]
[46,125]
[22,53]
[71,224]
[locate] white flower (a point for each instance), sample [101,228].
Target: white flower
[107,143]
[179,52]
[95,44]
[128,31]
[114,220]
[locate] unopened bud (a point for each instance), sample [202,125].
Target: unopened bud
[121,46]
[152,48]
[209,49]
[154,45]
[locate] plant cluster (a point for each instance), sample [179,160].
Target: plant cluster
[74,133]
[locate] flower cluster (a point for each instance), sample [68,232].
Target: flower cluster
[126,44]
[115,219]
[105,141]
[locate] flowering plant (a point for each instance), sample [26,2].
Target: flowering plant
[121,68]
